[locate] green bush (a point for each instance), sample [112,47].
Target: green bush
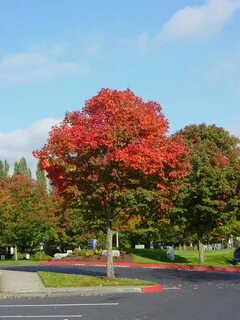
[20,256]
[98,252]
[88,253]
[76,252]
[37,256]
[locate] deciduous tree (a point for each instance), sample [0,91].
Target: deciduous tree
[209,196]
[115,160]
[26,213]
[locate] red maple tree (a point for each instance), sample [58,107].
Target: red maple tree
[115,159]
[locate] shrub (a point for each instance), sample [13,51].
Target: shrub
[76,252]
[98,252]
[37,256]
[88,253]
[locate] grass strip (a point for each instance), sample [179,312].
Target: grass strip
[9,263]
[61,280]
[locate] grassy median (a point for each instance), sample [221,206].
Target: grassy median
[61,280]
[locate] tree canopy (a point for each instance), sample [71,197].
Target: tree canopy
[209,196]
[20,167]
[4,169]
[26,213]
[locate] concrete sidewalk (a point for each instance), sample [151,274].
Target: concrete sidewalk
[18,281]
[28,284]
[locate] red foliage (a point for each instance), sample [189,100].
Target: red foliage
[221,160]
[116,137]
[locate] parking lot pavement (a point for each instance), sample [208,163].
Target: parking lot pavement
[199,296]
[45,310]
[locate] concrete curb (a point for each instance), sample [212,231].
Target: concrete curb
[143,265]
[1,289]
[152,289]
[59,292]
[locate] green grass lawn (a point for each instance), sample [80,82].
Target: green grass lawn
[219,258]
[9,263]
[212,257]
[60,280]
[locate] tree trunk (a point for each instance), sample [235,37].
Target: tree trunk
[201,251]
[184,247]
[110,267]
[15,253]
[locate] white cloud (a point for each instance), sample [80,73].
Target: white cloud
[201,21]
[189,23]
[29,67]
[22,142]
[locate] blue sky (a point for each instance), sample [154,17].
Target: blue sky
[54,54]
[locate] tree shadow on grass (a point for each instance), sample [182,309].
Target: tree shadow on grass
[158,255]
[229,261]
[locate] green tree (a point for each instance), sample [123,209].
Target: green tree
[27,213]
[72,229]
[4,169]
[209,195]
[20,167]
[41,176]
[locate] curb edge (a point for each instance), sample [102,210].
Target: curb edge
[153,289]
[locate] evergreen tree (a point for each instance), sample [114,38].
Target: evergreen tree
[41,177]
[22,168]
[4,169]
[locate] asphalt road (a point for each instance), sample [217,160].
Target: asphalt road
[189,295]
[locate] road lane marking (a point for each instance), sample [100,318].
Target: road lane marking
[57,305]
[46,316]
